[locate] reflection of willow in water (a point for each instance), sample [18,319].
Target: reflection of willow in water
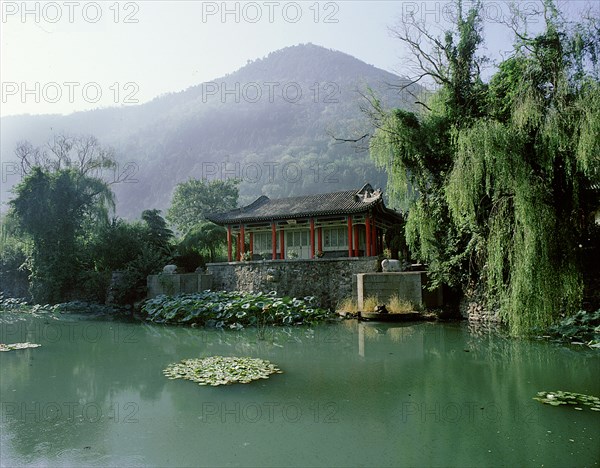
[494,343]
[524,367]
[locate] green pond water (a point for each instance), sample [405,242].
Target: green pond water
[351,394]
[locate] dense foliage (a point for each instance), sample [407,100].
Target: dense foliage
[520,183]
[13,258]
[134,249]
[498,178]
[206,239]
[77,307]
[58,228]
[50,208]
[159,235]
[194,199]
[582,327]
[235,310]
[417,152]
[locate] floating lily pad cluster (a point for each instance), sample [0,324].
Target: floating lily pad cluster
[13,346]
[578,400]
[219,370]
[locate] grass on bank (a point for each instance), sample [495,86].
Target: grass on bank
[394,305]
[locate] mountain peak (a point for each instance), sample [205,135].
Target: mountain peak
[305,62]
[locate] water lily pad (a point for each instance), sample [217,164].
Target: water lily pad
[13,346]
[569,398]
[219,370]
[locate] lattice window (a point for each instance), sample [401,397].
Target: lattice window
[335,238]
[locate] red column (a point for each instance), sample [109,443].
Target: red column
[251,235]
[282,244]
[273,241]
[237,247]
[356,239]
[229,246]
[350,236]
[312,238]
[368,235]
[242,240]
[320,239]
[374,238]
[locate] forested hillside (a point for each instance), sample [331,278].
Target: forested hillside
[270,123]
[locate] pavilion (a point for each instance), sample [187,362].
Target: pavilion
[350,223]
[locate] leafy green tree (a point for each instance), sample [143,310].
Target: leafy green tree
[111,246]
[13,257]
[194,199]
[205,237]
[50,208]
[159,234]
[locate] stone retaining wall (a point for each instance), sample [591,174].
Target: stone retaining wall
[172,284]
[471,308]
[329,279]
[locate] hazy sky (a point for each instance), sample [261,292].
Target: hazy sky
[61,57]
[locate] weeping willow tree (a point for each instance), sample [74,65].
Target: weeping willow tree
[520,176]
[415,148]
[497,186]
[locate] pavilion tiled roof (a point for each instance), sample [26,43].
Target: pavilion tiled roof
[335,203]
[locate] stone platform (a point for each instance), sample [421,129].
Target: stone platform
[407,285]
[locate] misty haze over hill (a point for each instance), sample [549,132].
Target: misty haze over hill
[269,123]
